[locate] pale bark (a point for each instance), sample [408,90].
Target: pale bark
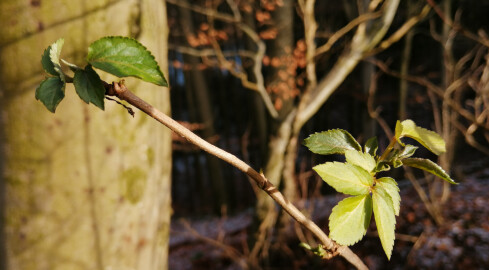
[85,189]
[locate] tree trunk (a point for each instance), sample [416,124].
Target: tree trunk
[85,189]
[203,106]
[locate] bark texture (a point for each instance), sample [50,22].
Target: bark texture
[85,189]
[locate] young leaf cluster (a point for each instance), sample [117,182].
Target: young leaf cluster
[357,176]
[119,56]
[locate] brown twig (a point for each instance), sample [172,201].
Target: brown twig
[435,89]
[257,57]
[129,109]
[119,90]
[457,27]
[343,31]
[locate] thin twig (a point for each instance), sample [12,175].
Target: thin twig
[129,109]
[457,27]
[120,90]
[347,28]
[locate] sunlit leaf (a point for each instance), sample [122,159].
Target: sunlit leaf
[364,160]
[390,186]
[125,57]
[407,151]
[54,55]
[371,146]
[385,218]
[428,166]
[345,178]
[335,141]
[50,92]
[429,139]
[89,87]
[350,219]
[382,167]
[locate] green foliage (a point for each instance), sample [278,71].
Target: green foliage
[364,160]
[357,176]
[318,251]
[50,92]
[349,219]
[429,139]
[390,186]
[89,87]
[335,141]
[345,178]
[54,56]
[385,219]
[371,146]
[125,57]
[428,166]
[46,62]
[120,56]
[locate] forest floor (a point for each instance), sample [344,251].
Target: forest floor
[460,242]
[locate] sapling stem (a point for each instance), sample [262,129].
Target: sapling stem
[120,90]
[388,149]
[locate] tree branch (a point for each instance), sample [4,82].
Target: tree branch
[362,43]
[258,56]
[119,90]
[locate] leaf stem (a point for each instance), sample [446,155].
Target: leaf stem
[388,149]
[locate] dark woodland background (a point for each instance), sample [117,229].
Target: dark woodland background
[86,189]
[214,102]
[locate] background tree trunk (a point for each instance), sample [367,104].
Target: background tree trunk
[202,105]
[85,189]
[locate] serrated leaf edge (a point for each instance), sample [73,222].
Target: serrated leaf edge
[158,68]
[369,214]
[358,146]
[387,249]
[418,139]
[55,54]
[442,174]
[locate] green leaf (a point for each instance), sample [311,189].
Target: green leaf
[350,219]
[407,151]
[335,141]
[393,158]
[89,87]
[385,218]
[364,160]
[125,57]
[429,139]
[54,56]
[345,178]
[390,186]
[50,92]
[396,163]
[382,167]
[371,146]
[46,62]
[428,166]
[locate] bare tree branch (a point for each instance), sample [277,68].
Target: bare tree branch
[401,32]
[258,57]
[457,27]
[361,44]
[347,28]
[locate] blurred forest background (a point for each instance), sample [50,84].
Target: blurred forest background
[83,189]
